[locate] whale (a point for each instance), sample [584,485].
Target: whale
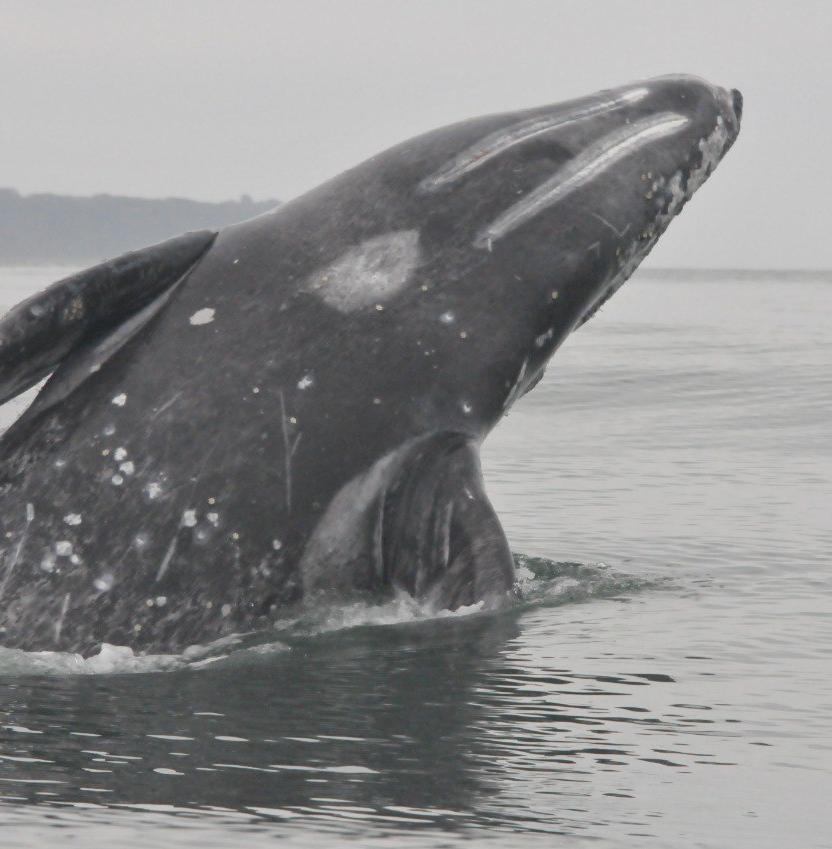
[289,412]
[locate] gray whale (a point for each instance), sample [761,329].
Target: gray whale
[292,408]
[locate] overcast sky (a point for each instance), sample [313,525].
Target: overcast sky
[210,100]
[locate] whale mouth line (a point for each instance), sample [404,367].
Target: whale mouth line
[598,157]
[496,143]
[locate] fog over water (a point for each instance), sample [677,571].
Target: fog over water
[206,99]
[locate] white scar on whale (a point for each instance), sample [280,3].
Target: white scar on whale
[579,171]
[369,273]
[497,143]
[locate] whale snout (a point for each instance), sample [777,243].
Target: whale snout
[736,102]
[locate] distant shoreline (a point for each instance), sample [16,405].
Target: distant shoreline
[751,274]
[71,231]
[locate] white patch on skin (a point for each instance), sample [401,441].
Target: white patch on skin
[60,623]
[48,562]
[189,518]
[128,467]
[516,390]
[466,407]
[109,430]
[63,548]
[447,317]
[498,142]
[213,518]
[369,273]
[104,582]
[163,566]
[72,518]
[30,512]
[120,400]
[225,610]
[141,540]
[203,316]
[161,600]
[153,490]
[277,544]
[541,340]
[120,454]
[255,390]
[117,480]
[577,172]
[306,381]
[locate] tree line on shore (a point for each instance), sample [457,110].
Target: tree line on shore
[48,229]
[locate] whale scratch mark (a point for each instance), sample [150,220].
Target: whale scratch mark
[514,393]
[165,406]
[498,142]
[577,172]
[289,447]
[619,233]
[30,517]
[60,623]
[163,566]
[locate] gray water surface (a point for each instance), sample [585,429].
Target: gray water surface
[666,680]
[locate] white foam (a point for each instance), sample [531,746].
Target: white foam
[124,660]
[400,610]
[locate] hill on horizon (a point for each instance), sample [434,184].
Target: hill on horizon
[49,229]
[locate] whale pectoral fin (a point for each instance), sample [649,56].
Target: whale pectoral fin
[36,335]
[441,539]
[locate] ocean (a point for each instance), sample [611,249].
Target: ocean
[664,679]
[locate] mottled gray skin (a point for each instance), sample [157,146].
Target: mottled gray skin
[302,415]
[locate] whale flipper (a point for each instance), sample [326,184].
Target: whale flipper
[36,335]
[442,540]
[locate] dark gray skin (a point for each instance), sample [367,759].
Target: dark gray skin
[299,415]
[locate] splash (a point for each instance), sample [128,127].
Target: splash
[545,583]
[540,583]
[121,660]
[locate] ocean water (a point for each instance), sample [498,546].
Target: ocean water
[666,679]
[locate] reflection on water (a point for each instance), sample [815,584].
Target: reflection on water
[678,696]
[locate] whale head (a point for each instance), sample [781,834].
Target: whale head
[458,261]
[531,220]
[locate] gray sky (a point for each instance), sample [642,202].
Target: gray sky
[209,99]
